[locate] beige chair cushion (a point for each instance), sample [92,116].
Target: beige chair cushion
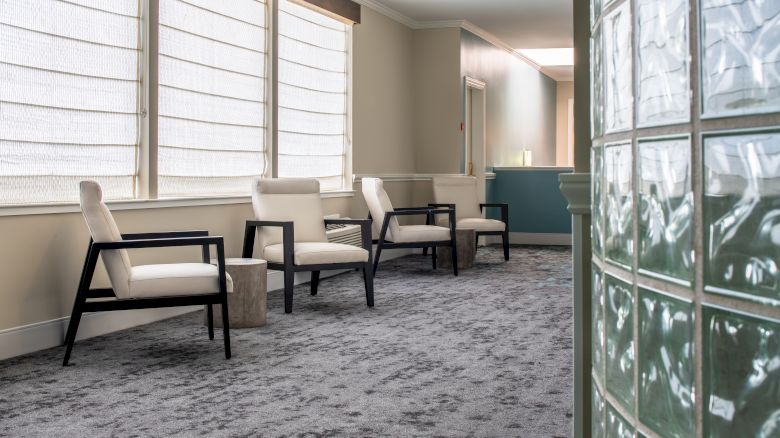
[378,204]
[316,253]
[103,229]
[289,199]
[458,190]
[175,279]
[421,233]
[480,224]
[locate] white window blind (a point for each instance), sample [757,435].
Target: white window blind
[212,73]
[69,98]
[313,92]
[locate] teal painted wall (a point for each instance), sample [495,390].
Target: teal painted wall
[536,204]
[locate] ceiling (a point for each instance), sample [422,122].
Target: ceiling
[522,24]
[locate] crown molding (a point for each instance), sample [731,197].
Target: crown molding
[444,24]
[388,12]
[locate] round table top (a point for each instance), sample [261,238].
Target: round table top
[237,261]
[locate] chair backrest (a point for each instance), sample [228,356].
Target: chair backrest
[289,199]
[103,229]
[378,204]
[458,190]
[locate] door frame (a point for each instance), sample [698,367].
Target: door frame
[470,84]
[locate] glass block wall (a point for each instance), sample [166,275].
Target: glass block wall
[685,162]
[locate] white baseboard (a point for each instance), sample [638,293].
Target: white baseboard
[26,339]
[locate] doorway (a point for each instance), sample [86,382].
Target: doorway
[475,133]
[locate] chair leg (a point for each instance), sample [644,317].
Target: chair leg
[368,278]
[455,259]
[315,281]
[289,285]
[425,251]
[210,317]
[376,259]
[433,257]
[225,325]
[505,237]
[73,326]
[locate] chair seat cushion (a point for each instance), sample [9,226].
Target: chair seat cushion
[421,233]
[175,279]
[317,253]
[480,224]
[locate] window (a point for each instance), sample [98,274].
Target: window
[70,98]
[212,73]
[313,135]
[75,79]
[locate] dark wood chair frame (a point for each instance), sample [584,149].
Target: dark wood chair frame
[504,218]
[149,240]
[417,211]
[290,268]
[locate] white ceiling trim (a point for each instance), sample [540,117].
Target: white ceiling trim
[441,24]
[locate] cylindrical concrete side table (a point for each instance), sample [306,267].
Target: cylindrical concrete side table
[466,242]
[247,304]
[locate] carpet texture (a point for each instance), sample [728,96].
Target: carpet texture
[488,353]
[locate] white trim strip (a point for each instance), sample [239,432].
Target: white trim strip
[146,204]
[400,177]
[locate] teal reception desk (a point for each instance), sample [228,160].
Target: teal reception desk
[537,209]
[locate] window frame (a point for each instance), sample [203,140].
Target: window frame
[146,185]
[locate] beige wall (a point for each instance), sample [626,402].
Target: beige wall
[382,125]
[437,101]
[564,92]
[520,103]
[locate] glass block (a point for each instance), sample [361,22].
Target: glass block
[663,95]
[666,208]
[597,323]
[617,426]
[666,368]
[598,408]
[595,10]
[596,84]
[619,204]
[742,216]
[741,375]
[740,61]
[618,92]
[619,321]
[597,208]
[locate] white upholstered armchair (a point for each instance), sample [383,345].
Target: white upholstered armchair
[147,286]
[292,235]
[393,235]
[460,193]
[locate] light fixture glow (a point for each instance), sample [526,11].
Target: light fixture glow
[549,57]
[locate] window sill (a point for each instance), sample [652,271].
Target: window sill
[145,204]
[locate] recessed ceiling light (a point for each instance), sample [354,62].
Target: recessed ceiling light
[549,57]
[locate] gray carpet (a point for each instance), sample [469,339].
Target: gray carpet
[488,353]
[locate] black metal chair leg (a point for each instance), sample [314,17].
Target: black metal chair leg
[289,285]
[506,245]
[73,326]
[210,317]
[226,326]
[455,259]
[315,281]
[433,256]
[425,251]
[376,258]
[368,278]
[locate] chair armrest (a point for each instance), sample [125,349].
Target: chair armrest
[164,234]
[412,209]
[365,230]
[288,237]
[504,210]
[159,243]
